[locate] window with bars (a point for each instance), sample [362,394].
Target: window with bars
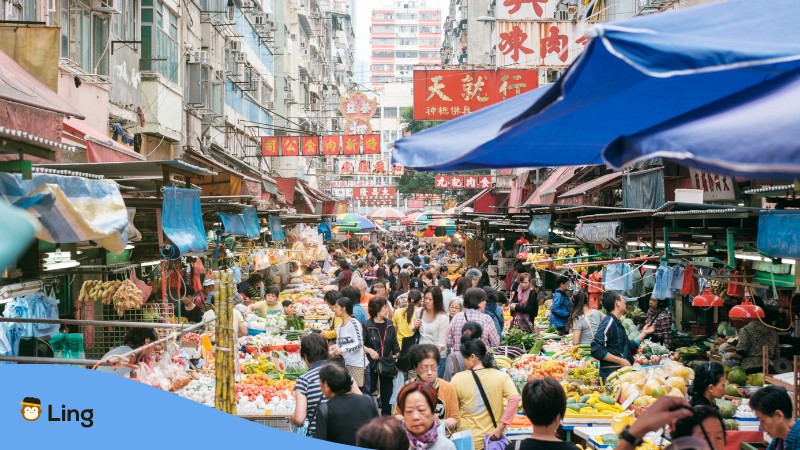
[123,25]
[160,50]
[84,36]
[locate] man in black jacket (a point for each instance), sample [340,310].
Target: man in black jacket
[611,345]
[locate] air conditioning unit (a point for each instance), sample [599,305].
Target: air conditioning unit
[259,20]
[201,56]
[240,58]
[269,105]
[106,6]
[235,46]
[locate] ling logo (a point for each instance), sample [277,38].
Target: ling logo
[32,410]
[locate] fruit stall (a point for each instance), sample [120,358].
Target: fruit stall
[268,358]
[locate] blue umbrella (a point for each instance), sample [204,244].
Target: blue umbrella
[632,76]
[753,133]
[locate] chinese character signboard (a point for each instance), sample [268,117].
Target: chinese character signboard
[351,145]
[463,181]
[714,186]
[448,94]
[310,145]
[290,146]
[372,144]
[331,145]
[357,110]
[269,146]
[375,193]
[526,9]
[539,44]
[274,146]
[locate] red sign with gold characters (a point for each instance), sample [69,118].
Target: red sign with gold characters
[463,181]
[351,145]
[369,144]
[290,146]
[374,193]
[269,146]
[443,94]
[372,144]
[331,145]
[310,145]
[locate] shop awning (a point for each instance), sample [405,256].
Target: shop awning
[633,75]
[545,193]
[71,209]
[20,86]
[182,222]
[472,200]
[136,168]
[593,185]
[99,147]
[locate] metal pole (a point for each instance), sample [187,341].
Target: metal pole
[102,323]
[41,360]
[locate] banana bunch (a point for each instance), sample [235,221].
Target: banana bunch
[587,373]
[503,362]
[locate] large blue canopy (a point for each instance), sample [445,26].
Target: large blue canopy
[751,133]
[633,75]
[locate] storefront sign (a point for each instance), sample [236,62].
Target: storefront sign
[276,146]
[539,44]
[447,94]
[374,193]
[714,186]
[379,202]
[526,9]
[357,110]
[463,181]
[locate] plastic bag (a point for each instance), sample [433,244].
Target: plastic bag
[142,286]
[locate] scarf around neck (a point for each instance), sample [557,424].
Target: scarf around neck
[426,440]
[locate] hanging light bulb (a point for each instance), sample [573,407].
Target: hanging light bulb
[707,299]
[231,10]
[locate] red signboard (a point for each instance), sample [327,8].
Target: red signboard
[310,145]
[372,144]
[380,202]
[331,145]
[269,146]
[463,181]
[374,193]
[447,94]
[290,146]
[351,144]
[415,203]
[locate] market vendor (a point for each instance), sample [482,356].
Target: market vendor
[269,305]
[753,337]
[611,345]
[659,315]
[134,338]
[206,296]
[562,305]
[252,286]
[188,309]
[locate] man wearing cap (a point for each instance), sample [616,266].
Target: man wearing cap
[206,296]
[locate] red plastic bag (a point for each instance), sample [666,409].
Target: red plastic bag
[144,287]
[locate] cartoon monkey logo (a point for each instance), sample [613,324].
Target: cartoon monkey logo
[31,408]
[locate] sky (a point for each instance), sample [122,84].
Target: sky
[363,12]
